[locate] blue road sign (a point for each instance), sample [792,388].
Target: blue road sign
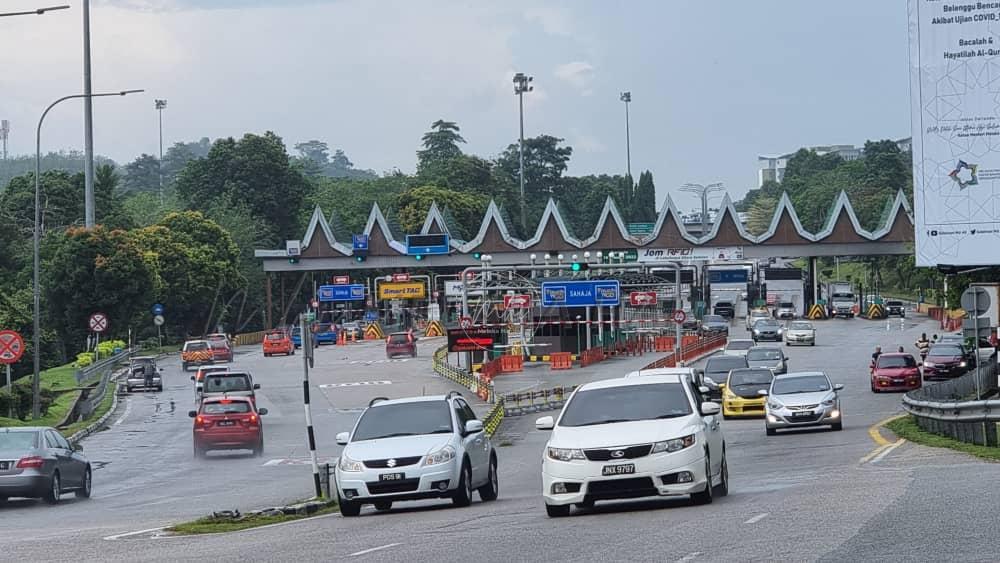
[353,292]
[371,316]
[587,293]
[360,242]
[427,244]
[157,309]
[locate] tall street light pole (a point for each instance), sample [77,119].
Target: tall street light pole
[36,235]
[627,98]
[35,12]
[702,192]
[160,105]
[522,85]
[88,126]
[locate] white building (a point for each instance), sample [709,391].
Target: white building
[772,168]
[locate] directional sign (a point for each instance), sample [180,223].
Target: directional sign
[427,244]
[98,322]
[465,322]
[341,280]
[522,301]
[158,320]
[642,298]
[580,293]
[404,277]
[679,316]
[353,292]
[359,242]
[157,309]
[11,346]
[371,316]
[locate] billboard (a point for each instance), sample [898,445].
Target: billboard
[474,339]
[702,253]
[955,120]
[402,290]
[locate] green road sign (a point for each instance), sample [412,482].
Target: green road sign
[631,255]
[640,228]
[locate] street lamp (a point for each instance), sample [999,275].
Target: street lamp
[703,192]
[522,85]
[160,105]
[36,337]
[35,12]
[627,98]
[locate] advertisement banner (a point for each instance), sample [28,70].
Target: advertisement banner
[402,290]
[692,254]
[954,74]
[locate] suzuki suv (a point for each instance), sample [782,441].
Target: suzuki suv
[415,448]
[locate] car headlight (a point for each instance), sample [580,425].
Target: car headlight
[772,404]
[961,364]
[349,465]
[828,403]
[756,331]
[729,394]
[675,445]
[565,454]
[927,364]
[780,330]
[444,455]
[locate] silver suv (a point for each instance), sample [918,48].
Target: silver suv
[415,448]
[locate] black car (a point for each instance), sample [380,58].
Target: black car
[724,309]
[895,308]
[768,329]
[717,370]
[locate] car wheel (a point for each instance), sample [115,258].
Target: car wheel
[723,488]
[259,450]
[267,355]
[55,489]
[349,508]
[491,490]
[705,497]
[128,389]
[159,388]
[383,505]
[770,431]
[837,426]
[463,494]
[557,511]
[292,352]
[85,489]
[813,343]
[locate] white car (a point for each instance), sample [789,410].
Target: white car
[634,437]
[800,332]
[738,347]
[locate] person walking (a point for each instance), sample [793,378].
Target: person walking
[923,346]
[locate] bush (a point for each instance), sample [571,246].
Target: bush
[20,399]
[108,348]
[84,359]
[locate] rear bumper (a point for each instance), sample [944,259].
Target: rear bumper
[34,485]
[223,441]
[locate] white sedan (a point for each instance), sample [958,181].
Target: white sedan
[800,332]
[636,437]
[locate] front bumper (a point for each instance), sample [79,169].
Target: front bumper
[907,383]
[27,484]
[743,407]
[786,314]
[420,482]
[944,371]
[772,336]
[800,339]
[785,418]
[655,475]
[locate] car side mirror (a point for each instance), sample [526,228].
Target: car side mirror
[256,386]
[709,408]
[545,423]
[709,381]
[76,447]
[192,414]
[342,438]
[838,387]
[160,369]
[262,411]
[763,393]
[473,426]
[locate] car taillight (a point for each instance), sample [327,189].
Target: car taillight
[30,462]
[199,421]
[253,419]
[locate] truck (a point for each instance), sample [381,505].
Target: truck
[840,300]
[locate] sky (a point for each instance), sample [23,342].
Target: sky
[714,84]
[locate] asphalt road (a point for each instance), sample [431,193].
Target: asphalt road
[799,496]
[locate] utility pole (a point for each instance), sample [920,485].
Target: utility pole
[522,85]
[160,105]
[88,125]
[702,192]
[627,98]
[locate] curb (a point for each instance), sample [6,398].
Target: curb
[91,428]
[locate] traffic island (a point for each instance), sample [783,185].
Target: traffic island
[234,521]
[906,427]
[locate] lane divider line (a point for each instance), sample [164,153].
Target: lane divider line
[757,518]
[129,534]
[873,453]
[689,557]
[876,435]
[373,550]
[128,410]
[887,451]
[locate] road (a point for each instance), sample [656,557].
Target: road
[802,496]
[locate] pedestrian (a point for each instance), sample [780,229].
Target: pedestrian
[876,354]
[923,346]
[901,350]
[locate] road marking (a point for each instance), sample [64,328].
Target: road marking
[757,518]
[689,557]
[129,534]
[128,409]
[873,431]
[385,361]
[873,453]
[372,550]
[887,451]
[294,461]
[354,384]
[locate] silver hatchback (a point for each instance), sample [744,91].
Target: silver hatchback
[38,462]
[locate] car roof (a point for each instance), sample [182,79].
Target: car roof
[199,341]
[404,400]
[404,333]
[25,428]
[232,372]
[799,374]
[225,397]
[216,334]
[629,381]
[134,358]
[674,374]
[894,354]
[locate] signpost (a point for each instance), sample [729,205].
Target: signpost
[465,323]
[427,244]
[478,339]
[589,293]
[642,298]
[158,320]
[11,350]
[976,302]
[341,280]
[98,323]
[353,292]
[691,253]
[404,277]
[680,317]
[359,244]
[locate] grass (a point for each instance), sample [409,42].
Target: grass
[62,377]
[907,428]
[167,349]
[210,525]
[101,410]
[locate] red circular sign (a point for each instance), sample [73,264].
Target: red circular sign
[465,322]
[679,317]
[11,346]
[98,322]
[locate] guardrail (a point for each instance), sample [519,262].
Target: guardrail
[944,408]
[249,338]
[479,385]
[99,368]
[106,369]
[690,350]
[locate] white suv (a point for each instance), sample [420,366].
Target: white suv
[416,448]
[631,438]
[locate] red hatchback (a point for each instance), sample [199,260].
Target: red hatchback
[222,350]
[228,423]
[895,372]
[399,343]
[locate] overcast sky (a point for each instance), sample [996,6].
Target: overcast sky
[714,83]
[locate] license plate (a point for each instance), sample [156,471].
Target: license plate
[899,381]
[228,423]
[392,477]
[4,465]
[802,414]
[624,469]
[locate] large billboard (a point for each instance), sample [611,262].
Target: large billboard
[955,121]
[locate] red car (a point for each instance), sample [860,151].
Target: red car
[945,361]
[222,350]
[228,423]
[278,342]
[895,372]
[399,343]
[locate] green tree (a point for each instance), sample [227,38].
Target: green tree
[545,161]
[142,174]
[466,208]
[644,200]
[352,199]
[760,215]
[465,173]
[440,143]
[180,154]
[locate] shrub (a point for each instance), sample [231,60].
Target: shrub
[84,359]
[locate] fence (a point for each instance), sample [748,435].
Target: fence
[98,369]
[690,349]
[105,369]
[945,408]
[481,385]
[249,338]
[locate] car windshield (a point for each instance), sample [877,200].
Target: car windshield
[800,326]
[800,384]
[714,319]
[626,403]
[741,377]
[274,336]
[945,351]
[763,354]
[896,362]
[786,305]
[766,323]
[722,364]
[213,337]
[739,345]
[17,440]
[226,383]
[398,339]
[758,313]
[894,303]
[404,419]
[296,331]
[195,346]
[220,407]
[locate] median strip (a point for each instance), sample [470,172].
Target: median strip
[906,427]
[233,521]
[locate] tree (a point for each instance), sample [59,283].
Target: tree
[465,173]
[180,154]
[760,215]
[544,164]
[352,199]
[316,151]
[142,174]
[644,200]
[440,143]
[466,208]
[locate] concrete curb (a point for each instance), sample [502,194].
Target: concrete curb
[91,428]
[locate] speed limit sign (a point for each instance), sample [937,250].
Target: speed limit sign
[465,322]
[679,316]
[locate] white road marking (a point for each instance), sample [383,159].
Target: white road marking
[354,384]
[128,410]
[757,518]
[689,557]
[384,361]
[873,453]
[887,451]
[128,534]
[372,550]
[294,461]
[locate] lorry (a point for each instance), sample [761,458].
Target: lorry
[840,300]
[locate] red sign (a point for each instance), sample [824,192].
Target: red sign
[314,304]
[642,298]
[522,301]
[401,277]
[11,346]
[465,322]
[98,322]
[341,280]
[679,316]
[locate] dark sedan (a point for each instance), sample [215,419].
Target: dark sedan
[945,361]
[717,370]
[39,462]
[768,329]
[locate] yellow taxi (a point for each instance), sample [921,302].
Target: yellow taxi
[741,394]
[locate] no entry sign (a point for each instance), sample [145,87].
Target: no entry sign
[98,322]
[11,346]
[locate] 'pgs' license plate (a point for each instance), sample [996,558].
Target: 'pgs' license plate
[4,465]
[802,414]
[392,477]
[625,469]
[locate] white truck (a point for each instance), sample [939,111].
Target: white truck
[840,299]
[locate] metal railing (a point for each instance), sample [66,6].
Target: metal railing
[461,376]
[105,369]
[99,368]
[950,408]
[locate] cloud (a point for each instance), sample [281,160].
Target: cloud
[586,142]
[554,21]
[580,74]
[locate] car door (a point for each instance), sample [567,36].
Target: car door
[471,443]
[75,461]
[64,460]
[713,432]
